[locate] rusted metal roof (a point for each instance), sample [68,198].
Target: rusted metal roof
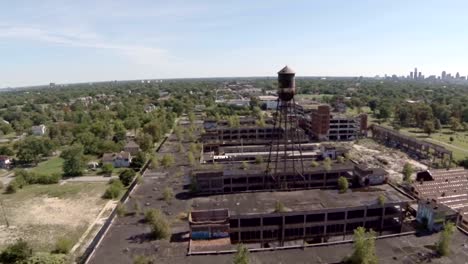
[286,70]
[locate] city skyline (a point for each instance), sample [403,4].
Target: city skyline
[66,42]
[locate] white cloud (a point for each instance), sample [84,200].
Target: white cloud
[139,54]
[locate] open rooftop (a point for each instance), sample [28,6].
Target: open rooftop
[303,200]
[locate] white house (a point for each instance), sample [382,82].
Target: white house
[5,162]
[39,130]
[118,160]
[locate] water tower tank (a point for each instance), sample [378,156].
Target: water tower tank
[286,84]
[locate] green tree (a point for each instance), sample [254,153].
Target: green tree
[455,124]
[145,142]
[132,123]
[364,247]
[126,176]
[443,245]
[139,160]
[32,149]
[437,125]
[343,184]
[242,255]
[4,150]
[428,127]
[314,164]
[407,171]
[107,169]
[74,163]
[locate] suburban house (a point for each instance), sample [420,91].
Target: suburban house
[121,159]
[132,147]
[39,130]
[5,162]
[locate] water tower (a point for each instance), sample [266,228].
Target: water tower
[285,164]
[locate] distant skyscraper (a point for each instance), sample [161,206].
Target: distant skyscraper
[457,75]
[444,75]
[415,75]
[411,75]
[420,75]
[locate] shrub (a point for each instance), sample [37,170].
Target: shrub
[343,184]
[126,176]
[154,164]
[168,194]
[139,160]
[63,246]
[340,159]
[120,209]
[381,200]
[279,207]
[107,169]
[15,253]
[242,255]
[46,258]
[443,245]
[167,161]
[140,259]
[114,189]
[159,226]
[364,247]
[191,158]
[259,160]
[327,164]
[407,171]
[23,178]
[314,164]
[245,165]
[12,188]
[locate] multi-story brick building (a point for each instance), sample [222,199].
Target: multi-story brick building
[321,124]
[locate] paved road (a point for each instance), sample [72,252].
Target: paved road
[89,179]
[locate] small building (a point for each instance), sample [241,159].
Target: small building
[5,162]
[39,130]
[92,165]
[269,102]
[209,224]
[331,151]
[118,160]
[132,147]
[433,215]
[370,176]
[150,108]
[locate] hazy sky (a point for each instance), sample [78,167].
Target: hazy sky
[60,41]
